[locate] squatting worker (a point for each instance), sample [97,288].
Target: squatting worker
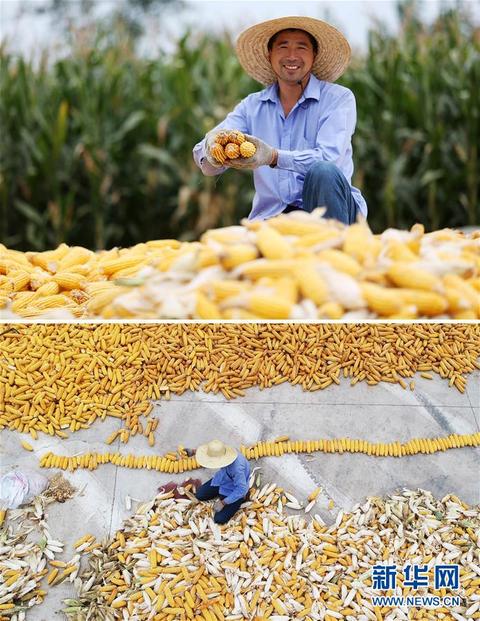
[230,484]
[301,124]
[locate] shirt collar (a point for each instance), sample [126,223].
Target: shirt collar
[312,90]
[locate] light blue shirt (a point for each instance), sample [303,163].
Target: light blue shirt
[233,480]
[318,128]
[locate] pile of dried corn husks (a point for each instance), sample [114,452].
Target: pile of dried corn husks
[171,561]
[27,555]
[59,378]
[295,266]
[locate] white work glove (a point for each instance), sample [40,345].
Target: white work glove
[263,156]
[218,506]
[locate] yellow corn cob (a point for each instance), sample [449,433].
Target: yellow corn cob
[360,243]
[217,151]
[470,293]
[237,313]
[19,279]
[228,288]
[382,301]
[93,288]
[222,137]
[48,288]
[52,301]
[207,257]
[406,312]
[314,494]
[475,283]
[272,244]
[311,284]
[457,300]
[399,251]
[286,288]
[407,275]
[232,151]
[340,261]
[427,302]
[52,575]
[66,280]
[331,310]
[268,306]
[247,149]
[291,224]
[264,268]
[103,298]
[110,266]
[465,315]
[237,254]
[236,137]
[205,309]
[21,300]
[76,255]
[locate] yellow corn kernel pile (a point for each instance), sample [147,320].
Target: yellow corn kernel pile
[173,463]
[294,266]
[57,378]
[170,561]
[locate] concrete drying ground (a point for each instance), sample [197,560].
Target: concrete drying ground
[383,413]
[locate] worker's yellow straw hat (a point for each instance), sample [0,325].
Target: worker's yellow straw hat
[330,62]
[215,454]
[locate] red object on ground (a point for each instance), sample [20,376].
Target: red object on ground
[171,486]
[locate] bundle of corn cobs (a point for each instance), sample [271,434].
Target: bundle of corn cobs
[229,145]
[295,266]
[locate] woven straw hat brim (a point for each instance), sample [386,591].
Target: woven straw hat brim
[330,62]
[205,460]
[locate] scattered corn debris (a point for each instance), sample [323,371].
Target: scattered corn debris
[295,266]
[171,561]
[27,549]
[174,463]
[60,378]
[59,489]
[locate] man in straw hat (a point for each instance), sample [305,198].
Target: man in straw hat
[230,484]
[301,123]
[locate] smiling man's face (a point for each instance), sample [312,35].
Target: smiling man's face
[292,55]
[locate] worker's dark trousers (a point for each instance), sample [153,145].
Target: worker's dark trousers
[209,492]
[326,186]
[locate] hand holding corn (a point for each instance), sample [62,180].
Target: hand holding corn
[263,155]
[218,506]
[210,142]
[230,148]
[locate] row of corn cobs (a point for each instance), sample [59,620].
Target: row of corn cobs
[173,463]
[295,266]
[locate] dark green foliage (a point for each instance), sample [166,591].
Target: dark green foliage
[96,147]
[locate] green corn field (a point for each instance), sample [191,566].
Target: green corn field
[96,147]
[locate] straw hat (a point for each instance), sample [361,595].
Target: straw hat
[215,454]
[330,62]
